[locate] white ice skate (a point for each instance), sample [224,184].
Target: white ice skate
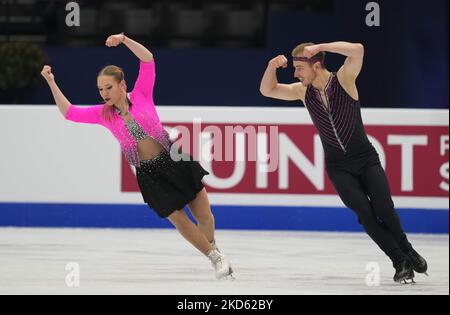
[214,246]
[221,265]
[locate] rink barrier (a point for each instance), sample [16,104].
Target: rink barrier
[58,173]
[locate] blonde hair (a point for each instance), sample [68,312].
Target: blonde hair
[300,48]
[118,75]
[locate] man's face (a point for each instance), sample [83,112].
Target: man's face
[304,72]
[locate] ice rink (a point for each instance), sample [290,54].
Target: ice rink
[34,261]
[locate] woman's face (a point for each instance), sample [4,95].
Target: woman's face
[111,91]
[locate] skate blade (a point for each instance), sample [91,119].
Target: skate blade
[229,276]
[405,281]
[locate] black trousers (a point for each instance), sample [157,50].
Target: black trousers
[364,188]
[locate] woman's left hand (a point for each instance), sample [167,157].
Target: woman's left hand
[115,40]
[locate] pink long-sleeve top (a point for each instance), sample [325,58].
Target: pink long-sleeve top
[142,110]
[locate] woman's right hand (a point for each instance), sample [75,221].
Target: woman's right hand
[115,40]
[47,74]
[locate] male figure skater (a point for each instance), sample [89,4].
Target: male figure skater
[352,162]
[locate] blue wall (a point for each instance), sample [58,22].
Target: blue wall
[406,63]
[227,217]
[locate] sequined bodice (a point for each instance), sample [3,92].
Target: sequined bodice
[136,130]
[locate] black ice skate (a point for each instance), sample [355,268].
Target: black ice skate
[404,272]
[418,262]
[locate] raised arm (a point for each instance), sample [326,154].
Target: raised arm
[146,78]
[138,49]
[85,114]
[61,101]
[270,86]
[353,63]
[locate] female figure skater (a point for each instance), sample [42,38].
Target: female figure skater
[166,185]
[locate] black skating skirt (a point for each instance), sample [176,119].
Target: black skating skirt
[167,185]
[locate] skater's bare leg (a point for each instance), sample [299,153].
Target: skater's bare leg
[194,236]
[190,231]
[201,210]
